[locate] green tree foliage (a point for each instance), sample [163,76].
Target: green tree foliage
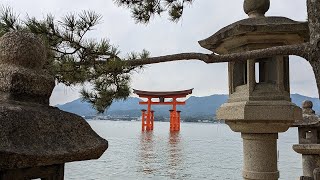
[144,10]
[76,60]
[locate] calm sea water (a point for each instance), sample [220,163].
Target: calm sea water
[198,151]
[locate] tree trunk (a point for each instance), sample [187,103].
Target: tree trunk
[313,7]
[316,70]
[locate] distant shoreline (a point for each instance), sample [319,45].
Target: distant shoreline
[137,120]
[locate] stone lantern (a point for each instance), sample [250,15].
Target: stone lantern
[309,142]
[259,104]
[36,140]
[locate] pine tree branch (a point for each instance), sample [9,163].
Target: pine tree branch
[169,58]
[298,50]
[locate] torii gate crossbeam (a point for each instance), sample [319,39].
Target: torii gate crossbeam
[148,115]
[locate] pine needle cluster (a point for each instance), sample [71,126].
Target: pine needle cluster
[143,10]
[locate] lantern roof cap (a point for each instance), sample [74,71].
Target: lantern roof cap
[257,27]
[308,121]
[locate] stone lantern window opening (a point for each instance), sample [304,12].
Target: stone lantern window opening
[273,71]
[260,76]
[265,71]
[238,75]
[309,135]
[257,72]
[286,77]
[245,72]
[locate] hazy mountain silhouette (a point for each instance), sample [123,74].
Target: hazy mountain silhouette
[195,106]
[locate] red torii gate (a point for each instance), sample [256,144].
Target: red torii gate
[148,115]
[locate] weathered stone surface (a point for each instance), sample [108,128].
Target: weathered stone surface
[256,8]
[259,103]
[307,107]
[22,49]
[33,134]
[308,149]
[260,110]
[23,84]
[286,30]
[310,119]
[22,56]
[260,154]
[37,135]
[51,172]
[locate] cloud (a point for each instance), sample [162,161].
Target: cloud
[302,77]
[162,37]
[62,94]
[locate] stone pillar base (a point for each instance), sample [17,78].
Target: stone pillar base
[260,156]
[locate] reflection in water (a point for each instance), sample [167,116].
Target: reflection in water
[161,157]
[198,151]
[175,156]
[147,153]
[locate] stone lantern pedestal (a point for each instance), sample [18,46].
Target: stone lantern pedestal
[36,140]
[259,104]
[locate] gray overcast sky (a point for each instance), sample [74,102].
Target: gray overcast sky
[161,37]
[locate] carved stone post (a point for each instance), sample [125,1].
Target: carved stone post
[35,138]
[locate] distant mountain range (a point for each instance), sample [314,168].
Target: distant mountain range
[195,106]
